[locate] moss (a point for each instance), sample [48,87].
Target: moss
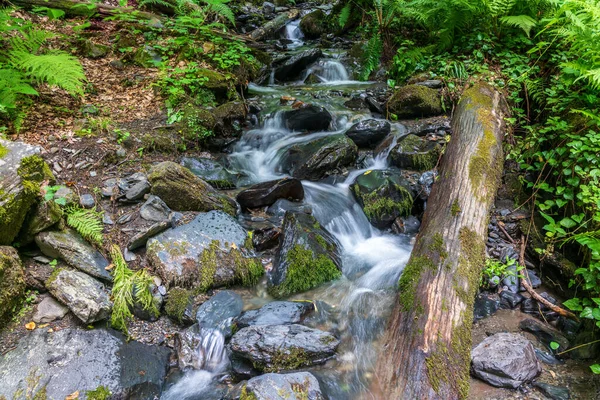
[282,360]
[416,153]
[415,101]
[437,245]
[248,244]
[53,276]
[305,271]
[244,395]
[455,208]
[34,168]
[322,242]
[407,285]
[208,266]
[247,270]
[177,302]
[3,151]
[100,393]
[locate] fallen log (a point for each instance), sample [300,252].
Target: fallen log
[83,8]
[271,27]
[427,346]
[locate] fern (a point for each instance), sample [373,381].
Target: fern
[524,22]
[344,15]
[220,9]
[87,222]
[372,57]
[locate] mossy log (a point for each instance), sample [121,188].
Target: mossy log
[83,8]
[427,346]
[274,25]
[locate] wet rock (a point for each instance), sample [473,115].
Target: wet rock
[36,275]
[409,225]
[83,295]
[267,193]
[415,101]
[314,24]
[49,310]
[213,172]
[307,256]
[42,216]
[276,313]
[320,157]
[183,191]
[374,105]
[485,305]
[356,103]
[532,307]
[308,119]
[368,133]
[273,348]
[77,360]
[242,369]
[505,360]
[69,246]
[154,209]
[140,239]
[220,311]
[568,326]
[290,68]
[510,300]
[534,280]
[264,239]
[553,392]
[138,191]
[547,358]
[12,282]
[87,201]
[281,206]
[21,173]
[295,386]
[206,253]
[384,195]
[415,153]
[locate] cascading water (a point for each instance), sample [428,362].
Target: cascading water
[294,34]
[329,71]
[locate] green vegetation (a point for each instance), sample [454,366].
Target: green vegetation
[178,301]
[100,393]
[88,222]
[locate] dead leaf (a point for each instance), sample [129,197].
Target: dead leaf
[73,396]
[233,246]
[30,325]
[368,172]
[42,326]
[109,267]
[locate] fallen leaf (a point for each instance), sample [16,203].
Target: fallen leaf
[42,326]
[367,172]
[109,267]
[233,246]
[30,325]
[73,396]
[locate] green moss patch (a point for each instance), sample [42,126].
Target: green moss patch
[409,280]
[100,393]
[177,302]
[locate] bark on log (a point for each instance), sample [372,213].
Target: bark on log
[271,27]
[427,346]
[78,8]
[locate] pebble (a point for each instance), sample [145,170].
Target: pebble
[87,201]
[106,219]
[123,219]
[56,166]
[54,150]
[128,255]
[92,173]
[42,259]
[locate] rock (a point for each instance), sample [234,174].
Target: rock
[77,360]
[268,8]
[276,313]
[220,311]
[544,334]
[49,310]
[36,275]
[148,313]
[183,191]
[368,133]
[83,295]
[568,326]
[264,239]
[531,306]
[290,68]
[485,305]
[206,253]
[374,105]
[87,201]
[22,171]
[214,173]
[179,306]
[273,348]
[306,258]
[553,392]
[281,206]
[154,209]
[384,195]
[66,193]
[547,358]
[415,153]
[510,300]
[318,158]
[431,83]
[307,119]
[505,360]
[408,226]
[42,216]
[415,101]
[356,103]
[93,50]
[69,246]
[146,57]
[12,282]
[138,191]
[266,193]
[294,386]
[314,24]
[534,280]
[139,240]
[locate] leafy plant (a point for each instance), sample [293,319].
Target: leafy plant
[87,222]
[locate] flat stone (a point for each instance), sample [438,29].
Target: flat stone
[276,313]
[267,193]
[140,239]
[49,310]
[154,209]
[545,334]
[294,386]
[219,311]
[553,392]
[137,191]
[87,201]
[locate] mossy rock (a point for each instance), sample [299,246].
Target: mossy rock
[147,57]
[181,190]
[314,24]
[93,50]
[179,306]
[12,282]
[415,153]
[415,101]
[162,141]
[384,195]
[41,217]
[220,84]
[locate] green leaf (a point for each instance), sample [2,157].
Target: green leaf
[554,345]
[595,368]
[573,304]
[568,223]
[587,313]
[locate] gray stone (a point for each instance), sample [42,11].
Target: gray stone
[87,201]
[154,209]
[505,360]
[308,119]
[274,348]
[268,8]
[69,246]
[545,334]
[431,83]
[368,133]
[71,360]
[83,295]
[140,239]
[200,348]
[294,386]
[42,216]
[266,193]
[553,392]
[66,193]
[219,311]
[49,310]
[290,68]
[137,191]
[211,171]
[415,153]
[276,313]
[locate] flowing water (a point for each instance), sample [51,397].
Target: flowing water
[356,306]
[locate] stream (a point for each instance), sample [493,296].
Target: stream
[356,307]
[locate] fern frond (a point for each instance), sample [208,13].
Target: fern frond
[344,15]
[87,222]
[221,9]
[524,22]
[161,3]
[500,7]
[12,84]
[372,57]
[30,41]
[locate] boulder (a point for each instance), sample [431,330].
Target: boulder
[290,68]
[146,57]
[211,171]
[267,193]
[274,348]
[183,191]
[206,253]
[368,133]
[83,295]
[413,152]
[485,305]
[415,101]
[220,311]
[22,171]
[265,238]
[384,195]
[505,360]
[69,246]
[307,119]
[319,158]
[306,258]
[97,364]
[12,282]
[154,209]
[314,24]
[545,334]
[42,216]
[276,313]
[294,386]
[49,310]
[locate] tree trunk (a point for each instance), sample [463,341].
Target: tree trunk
[82,8]
[427,346]
[271,27]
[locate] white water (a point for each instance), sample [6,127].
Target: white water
[292,32]
[328,71]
